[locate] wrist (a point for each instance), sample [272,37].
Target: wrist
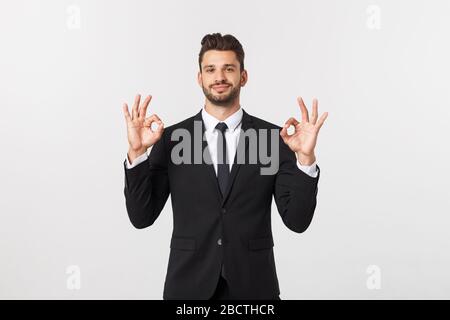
[134,153]
[306,160]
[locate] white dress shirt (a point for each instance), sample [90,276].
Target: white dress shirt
[232,137]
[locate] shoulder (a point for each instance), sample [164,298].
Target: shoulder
[186,124]
[263,124]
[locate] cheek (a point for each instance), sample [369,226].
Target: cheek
[207,81]
[204,82]
[235,81]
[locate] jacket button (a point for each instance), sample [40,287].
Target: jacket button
[219,242]
[224,210]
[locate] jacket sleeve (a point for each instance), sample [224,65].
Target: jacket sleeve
[147,187]
[295,192]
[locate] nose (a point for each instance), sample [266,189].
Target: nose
[220,77]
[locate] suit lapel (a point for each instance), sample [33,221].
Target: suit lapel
[208,166]
[246,124]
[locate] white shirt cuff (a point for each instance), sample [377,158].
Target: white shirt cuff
[136,161]
[309,170]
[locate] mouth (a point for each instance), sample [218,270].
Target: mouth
[221,87]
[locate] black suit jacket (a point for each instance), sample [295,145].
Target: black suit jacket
[241,219]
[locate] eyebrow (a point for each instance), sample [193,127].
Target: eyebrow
[225,65]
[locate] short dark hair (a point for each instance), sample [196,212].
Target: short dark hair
[216,41]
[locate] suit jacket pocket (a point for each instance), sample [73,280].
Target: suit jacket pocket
[260,243]
[182,243]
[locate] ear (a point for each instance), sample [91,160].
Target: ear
[244,77]
[199,79]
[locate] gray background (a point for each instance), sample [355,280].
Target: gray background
[384,190]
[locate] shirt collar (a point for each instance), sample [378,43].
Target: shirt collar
[232,121]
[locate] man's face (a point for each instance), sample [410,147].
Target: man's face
[221,78]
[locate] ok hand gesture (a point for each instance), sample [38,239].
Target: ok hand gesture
[140,134]
[303,140]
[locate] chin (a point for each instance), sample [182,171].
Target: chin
[222,102]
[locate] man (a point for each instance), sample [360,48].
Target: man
[221,245]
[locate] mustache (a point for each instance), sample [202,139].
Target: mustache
[220,84]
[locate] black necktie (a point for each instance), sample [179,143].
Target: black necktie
[223,168]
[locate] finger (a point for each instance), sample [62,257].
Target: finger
[143,108]
[159,130]
[321,120]
[292,121]
[153,117]
[315,109]
[160,126]
[304,110]
[134,110]
[283,133]
[156,117]
[149,120]
[126,112]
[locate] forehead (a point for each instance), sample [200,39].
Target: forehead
[218,57]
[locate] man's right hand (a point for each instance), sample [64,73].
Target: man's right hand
[140,134]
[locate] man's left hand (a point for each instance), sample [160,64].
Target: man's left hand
[303,140]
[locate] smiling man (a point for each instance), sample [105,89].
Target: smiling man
[225,89]
[221,245]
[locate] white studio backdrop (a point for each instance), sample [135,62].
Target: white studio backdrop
[380,68]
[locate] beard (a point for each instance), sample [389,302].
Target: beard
[223,100]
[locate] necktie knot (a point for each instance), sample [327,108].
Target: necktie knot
[221,126]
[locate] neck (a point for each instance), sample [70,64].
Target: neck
[222,112]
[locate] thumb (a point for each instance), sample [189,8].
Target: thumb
[147,123]
[160,126]
[283,132]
